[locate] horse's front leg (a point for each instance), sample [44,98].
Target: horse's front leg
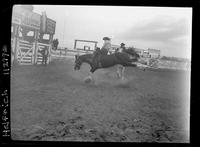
[91,74]
[89,78]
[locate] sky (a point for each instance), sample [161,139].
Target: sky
[165,28]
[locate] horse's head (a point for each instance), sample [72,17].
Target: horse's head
[87,58]
[78,62]
[133,53]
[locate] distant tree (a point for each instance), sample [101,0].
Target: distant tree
[174,59]
[164,58]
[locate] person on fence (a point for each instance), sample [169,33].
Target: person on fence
[45,54]
[55,44]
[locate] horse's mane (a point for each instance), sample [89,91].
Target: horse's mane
[86,55]
[131,51]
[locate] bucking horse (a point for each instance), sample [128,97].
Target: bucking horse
[128,58]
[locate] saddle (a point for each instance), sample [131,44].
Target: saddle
[97,59]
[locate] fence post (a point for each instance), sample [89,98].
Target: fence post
[65,51]
[16,43]
[35,47]
[75,44]
[50,47]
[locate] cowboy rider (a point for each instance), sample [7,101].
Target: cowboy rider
[103,51]
[122,48]
[106,46]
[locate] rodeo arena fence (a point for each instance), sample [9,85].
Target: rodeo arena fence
[28,33]
[63,52]
[152,57]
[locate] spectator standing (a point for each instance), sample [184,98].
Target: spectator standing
[45,54]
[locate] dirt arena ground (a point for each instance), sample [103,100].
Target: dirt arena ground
[52,102]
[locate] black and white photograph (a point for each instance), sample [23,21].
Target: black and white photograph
[99,73]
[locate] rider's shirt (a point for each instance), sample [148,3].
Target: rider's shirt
[120,49]
[104,51]
[106,47]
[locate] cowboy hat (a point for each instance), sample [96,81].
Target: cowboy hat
[106,38]
[122,44]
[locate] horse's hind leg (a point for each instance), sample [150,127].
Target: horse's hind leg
[91,75]
[118,71]
[122,73]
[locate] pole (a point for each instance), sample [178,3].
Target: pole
[75,44]
[50,47]
[64,31]
[36,46]
[95,45]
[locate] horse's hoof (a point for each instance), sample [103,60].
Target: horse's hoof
[88,80]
